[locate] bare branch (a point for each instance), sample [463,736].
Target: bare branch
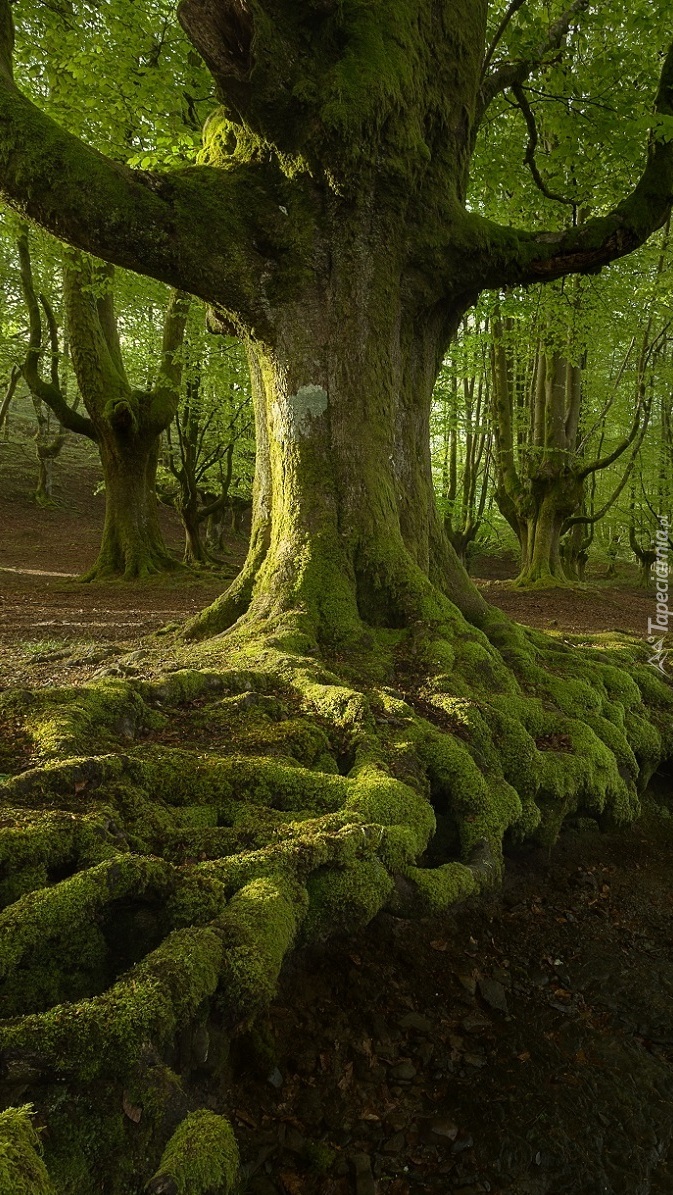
[512,10]
[531,149]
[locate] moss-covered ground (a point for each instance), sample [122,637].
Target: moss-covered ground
[166,842]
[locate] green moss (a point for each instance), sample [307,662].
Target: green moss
[201,1157]
[22,1171]
[341,900]
[104,1034]
[68,722]
[259,927]
[436,889]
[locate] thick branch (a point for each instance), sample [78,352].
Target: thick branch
[156,224]
[166,394]
[510,257]
[45,392]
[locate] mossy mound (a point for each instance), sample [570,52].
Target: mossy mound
[174,839]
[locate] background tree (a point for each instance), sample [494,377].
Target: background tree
[209,453]
[124,422]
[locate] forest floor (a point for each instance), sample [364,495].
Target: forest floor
[521,1046]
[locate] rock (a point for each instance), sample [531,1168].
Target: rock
[469,983]
[364,1179]
[444,1128]
[275,1078]
[494,994]
[395,1144]
[404,1072]
[476,1023]
[417,1022]
[462,1143]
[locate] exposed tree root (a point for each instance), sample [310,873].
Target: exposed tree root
[174,839]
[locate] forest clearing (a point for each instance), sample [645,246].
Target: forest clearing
[336,665]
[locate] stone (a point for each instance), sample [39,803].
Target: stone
[404,1072]
[493,993]
[444,1128]
[395,1144]
[364,1179]
[417,1022]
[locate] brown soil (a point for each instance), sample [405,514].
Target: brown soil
[53,629]
[591,609]
[521,1046]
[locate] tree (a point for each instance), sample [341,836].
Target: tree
[124,422]
[212,421]
[368,690]
[330,175]
[542,460]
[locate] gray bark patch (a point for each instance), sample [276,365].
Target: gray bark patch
[309,403]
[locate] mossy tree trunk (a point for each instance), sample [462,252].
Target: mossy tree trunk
[124,423]
[127,422]
[332,185]
[132,545]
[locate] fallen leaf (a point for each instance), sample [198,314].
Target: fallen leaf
[438,945]
[347,1077]
[131,1110]
[245,1118]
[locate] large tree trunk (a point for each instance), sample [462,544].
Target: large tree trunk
[132,546]
[345,527]
[541,563]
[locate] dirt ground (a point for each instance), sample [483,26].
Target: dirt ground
[56,630]
[522,1046]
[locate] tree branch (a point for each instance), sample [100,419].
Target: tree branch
[9,393]
[53,341]
[166,393]
[508,257]
[512,10]
[45,392]
[154,223]
[511,74]
[531,149]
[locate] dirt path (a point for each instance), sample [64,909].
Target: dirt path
[591,609]
[53,629]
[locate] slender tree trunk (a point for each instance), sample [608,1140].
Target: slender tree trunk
[132,546]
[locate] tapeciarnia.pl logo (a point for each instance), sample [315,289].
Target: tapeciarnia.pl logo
[657,628]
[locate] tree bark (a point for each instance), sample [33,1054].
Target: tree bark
[345,526]
[132,546]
